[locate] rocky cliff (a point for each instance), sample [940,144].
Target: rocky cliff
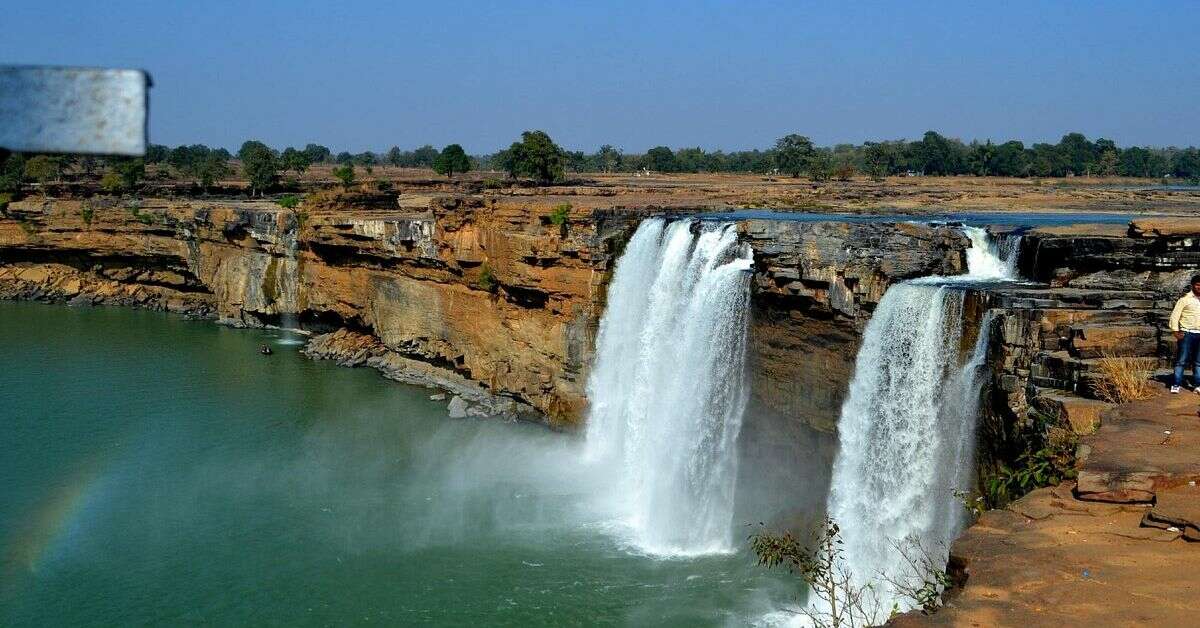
[496,302]
[493,301]
[815,286]
[1099,292]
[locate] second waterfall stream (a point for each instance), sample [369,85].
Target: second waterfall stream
[907,427]
[668,385]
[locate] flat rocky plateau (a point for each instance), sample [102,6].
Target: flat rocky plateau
[1120,556]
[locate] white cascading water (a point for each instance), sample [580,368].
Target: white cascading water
[990,257]
[907,427]
[667,387]
[287,279]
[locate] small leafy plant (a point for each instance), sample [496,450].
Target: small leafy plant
[1047,460]
[288,201]
[558,215]
[487,280]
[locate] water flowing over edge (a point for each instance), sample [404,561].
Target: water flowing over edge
[991,257]
[668,388]
[907,427]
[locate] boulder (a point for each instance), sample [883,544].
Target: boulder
[1094,341]
[1115,487]
[457,408]
[1083,415]
[1178,508]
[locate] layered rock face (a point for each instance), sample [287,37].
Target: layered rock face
[492,299]
[815,288]
[1104,292]
[495,302]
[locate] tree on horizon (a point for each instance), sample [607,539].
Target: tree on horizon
[259,164]
[793,154]
[452,159]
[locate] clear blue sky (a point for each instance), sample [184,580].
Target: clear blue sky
[368,75]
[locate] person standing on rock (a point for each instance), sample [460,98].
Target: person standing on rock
[1185,323]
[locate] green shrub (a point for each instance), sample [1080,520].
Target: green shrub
[135,210]
[492,183]
[288,201]
[1047,460]
[487,281]
[5,199]
[112,182]
[558,216]
[86,212]
[345,174]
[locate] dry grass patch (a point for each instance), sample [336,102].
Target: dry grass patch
[1122,379]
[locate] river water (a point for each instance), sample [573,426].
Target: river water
[158,470]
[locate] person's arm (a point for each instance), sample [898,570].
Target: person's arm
[1175,315]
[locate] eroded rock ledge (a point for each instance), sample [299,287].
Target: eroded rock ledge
[815,287]
[491,299]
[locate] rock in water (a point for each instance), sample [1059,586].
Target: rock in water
[457,408]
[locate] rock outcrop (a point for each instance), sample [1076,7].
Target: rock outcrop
[1100,292]
[496,302]
[452,289]
[816,284]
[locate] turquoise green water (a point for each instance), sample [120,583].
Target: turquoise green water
[157,470]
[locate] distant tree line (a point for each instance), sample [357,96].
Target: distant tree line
[933,154]
[115,174]
[536,156]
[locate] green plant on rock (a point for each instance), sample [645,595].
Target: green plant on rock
[1048,459]
[288,201]
[112,182]
[5,199]
[87,213]
[487,280]
[135,210]
[558,216]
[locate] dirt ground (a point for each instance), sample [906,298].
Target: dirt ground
[721,191]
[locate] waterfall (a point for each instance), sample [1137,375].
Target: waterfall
[667,388]
[991,258]
[287,285]
[907,428]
